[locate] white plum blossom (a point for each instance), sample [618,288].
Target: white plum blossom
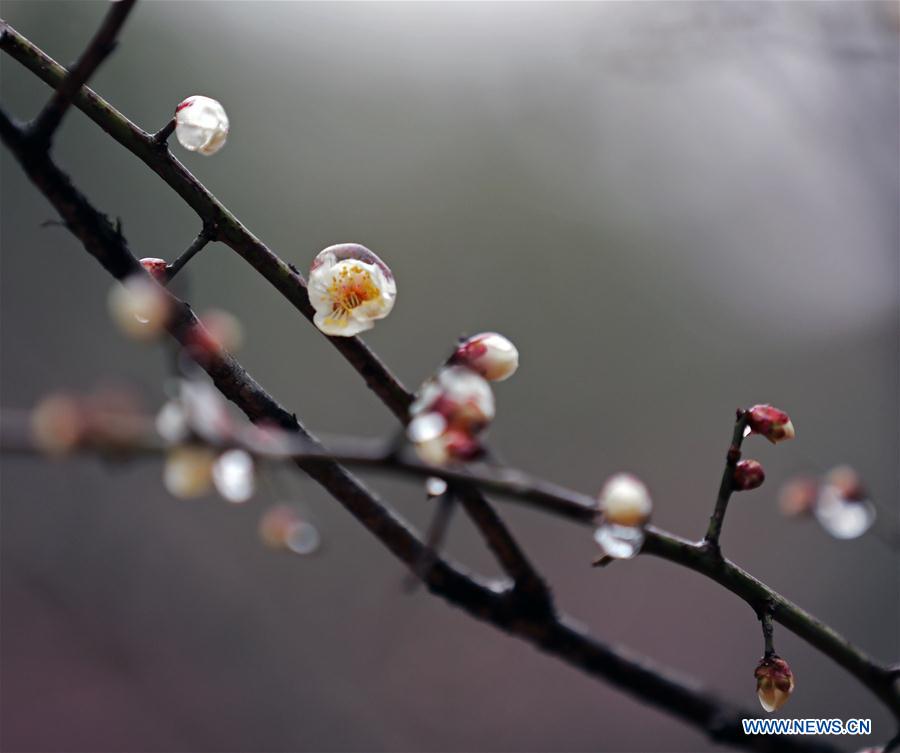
[626,506]
[201,125]
[490,354]
[350,288]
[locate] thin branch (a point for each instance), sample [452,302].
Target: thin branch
[554,635]
[284,277]
[162,135]
[726,487]
[203,237]
[103,43]
[768,630]
[434,538]
[572,505]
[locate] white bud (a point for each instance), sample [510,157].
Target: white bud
[625,501]
[201,125]
[490,354]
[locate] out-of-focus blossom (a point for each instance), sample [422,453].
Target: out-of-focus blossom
[201,125]
[188,471]
[234,475]
[625,507]
[774,682]
[109,421]
[839,501]
[772,423]
[281,527]
[748,474]
[139,307]
[205,411]
[798,496]
[350,288]
[157,268]
[490,354]
[843,508]
[450,411]
[57,424]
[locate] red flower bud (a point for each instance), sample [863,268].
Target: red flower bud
[775,425]
[157,268]
[774,682]
[748,474]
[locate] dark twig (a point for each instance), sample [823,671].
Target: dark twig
[162,135]
[554,635]
[203,237]
[726,487]
[434,538]
[768,630]
[284,277]
[103,43]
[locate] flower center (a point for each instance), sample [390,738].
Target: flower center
[351,287]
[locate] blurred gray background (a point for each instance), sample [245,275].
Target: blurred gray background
[672,208]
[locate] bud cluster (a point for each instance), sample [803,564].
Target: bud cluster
[455,406]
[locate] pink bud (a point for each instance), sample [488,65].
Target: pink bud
[775,425]
[774,682]
[748,474]
[490,354]
[157,268]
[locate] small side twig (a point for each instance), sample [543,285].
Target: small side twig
[434,539]
[768,630]
[726,487]
[162,135]
[203,237]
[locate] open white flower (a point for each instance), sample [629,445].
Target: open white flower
[201,125]
[350,288]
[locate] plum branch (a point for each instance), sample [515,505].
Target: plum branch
[523,608]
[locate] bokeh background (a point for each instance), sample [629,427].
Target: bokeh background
[672,208]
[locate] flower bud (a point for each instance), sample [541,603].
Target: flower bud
[748,474]
[774,682]
[201,125]
[350,288]
[490,354]
[775,425]
[157,268]
[460,396]
[450,446]
[625,501]
[188,471]
[139,307]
